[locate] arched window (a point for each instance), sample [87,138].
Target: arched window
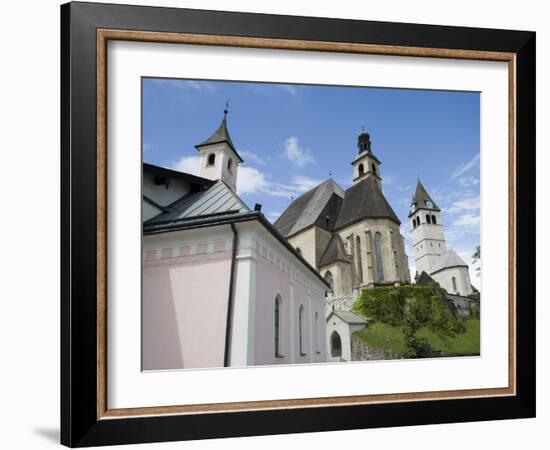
[277,320]
[361,169]
[428,218]
[414,223]
[211,159]
[299,251]
[316,330]
[329,279]
[230,164]
[301,330]
[454,283]
[378,252]
[433,219]
[358,256]
[335,345]
[373,169]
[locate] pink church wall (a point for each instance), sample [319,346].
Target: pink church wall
[271,280]
[184,311]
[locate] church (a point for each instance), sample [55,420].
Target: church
[431,255]
[221,286]
[350,236]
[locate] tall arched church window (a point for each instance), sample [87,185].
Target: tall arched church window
[428,218]
[335,345]
[361,169]
[230,165]
[211,159]
[373,169]
[277,320]
[359,259]
[454,283]
[301,330]
[329,279]
[433,219]
[378,252]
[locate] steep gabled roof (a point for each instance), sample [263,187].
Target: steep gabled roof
[447,260]
[319,206]
[421,199]
[364,200]
[221,135]
[425,280]
[218,199]
[335,252]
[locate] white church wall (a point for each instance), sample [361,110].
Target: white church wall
[462,277]
[162,194]
[305,242]
[219,170]
[345,331]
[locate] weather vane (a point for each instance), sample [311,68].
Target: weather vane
[226,110]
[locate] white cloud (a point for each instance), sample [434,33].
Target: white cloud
[296,154]
[467,221]
[303,184]
[467,204]
[253,157]
[251,181]
[187,164]
[468,181]
[463,168]
[292,90]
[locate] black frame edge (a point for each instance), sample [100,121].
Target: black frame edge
[79,426]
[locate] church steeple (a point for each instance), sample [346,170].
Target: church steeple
[365,163]
[422,200]
[219,158]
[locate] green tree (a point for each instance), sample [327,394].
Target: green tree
[477,259]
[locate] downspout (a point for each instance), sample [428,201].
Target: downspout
[229,322]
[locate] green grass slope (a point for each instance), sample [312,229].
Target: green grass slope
[390,338]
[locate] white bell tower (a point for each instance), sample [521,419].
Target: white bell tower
[428,237]
[219,158]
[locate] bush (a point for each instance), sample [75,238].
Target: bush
[409,306]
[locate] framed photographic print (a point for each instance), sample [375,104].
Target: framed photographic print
[276,224]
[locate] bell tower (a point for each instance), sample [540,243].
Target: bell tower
[219,158]
[427,233]
[365,163]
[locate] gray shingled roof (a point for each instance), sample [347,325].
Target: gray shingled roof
[421,197]
[364,200]
[447,260]
[349,317]
[217,199]
[219,136]
[319,206]
[335,252]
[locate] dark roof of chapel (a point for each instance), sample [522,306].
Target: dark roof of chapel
[221,135]
[335,252]
[319,206]
[364,200]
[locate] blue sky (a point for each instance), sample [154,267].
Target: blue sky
[293,137]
